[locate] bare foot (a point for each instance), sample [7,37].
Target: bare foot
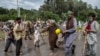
[51,54]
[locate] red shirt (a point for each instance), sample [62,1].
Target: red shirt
[88,27]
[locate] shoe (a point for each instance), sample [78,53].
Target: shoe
[73,49]
[5,50]
[56,47]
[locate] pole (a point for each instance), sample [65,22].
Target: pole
[24,17]
[18,9]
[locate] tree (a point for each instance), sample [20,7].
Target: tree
[3,11]
[49,15]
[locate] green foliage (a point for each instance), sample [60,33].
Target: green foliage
[11,14]
[60,7]
[3,11]
[52,9]
[49,15]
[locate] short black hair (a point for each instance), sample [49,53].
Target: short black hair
[18,18]
[92,14]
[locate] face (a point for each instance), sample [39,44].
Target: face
[18,21]
[90,18]
[70,16]
[48,23]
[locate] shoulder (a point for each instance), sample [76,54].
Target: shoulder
[16,24]
[86,23]
[95,22]
[74,19]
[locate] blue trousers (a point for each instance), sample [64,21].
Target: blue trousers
[68,41]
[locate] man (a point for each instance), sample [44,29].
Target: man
[51,27]
[28,30]
[9,37]
[36,34]
[90,30]
[70,34]
[18,30]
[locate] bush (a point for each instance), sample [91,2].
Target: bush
[49,15]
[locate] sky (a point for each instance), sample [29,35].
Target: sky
[93,3]
[35,4]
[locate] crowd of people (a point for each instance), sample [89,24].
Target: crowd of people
[67,34]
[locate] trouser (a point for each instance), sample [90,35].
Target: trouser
[27,35]
[68,41]
[53,43]
[18,46]
[36,40]
[90,49]
[8,43]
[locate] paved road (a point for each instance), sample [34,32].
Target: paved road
[29,49]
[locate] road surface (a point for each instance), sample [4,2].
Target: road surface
[28,48]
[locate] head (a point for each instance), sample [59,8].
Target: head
[91,16]
[50,22]
[70,14]
[37,23]
[11,26]
[18,20]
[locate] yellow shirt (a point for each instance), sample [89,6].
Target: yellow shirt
[18,35]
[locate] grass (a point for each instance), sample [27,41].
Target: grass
[78,28]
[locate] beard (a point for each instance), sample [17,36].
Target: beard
[69,18]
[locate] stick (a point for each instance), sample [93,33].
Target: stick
[42,38]
[84,46]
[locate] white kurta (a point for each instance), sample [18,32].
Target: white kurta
[92,37]
[91,45]
[36,35]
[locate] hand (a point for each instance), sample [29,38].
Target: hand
[88,30]
[84,33]
[64,31]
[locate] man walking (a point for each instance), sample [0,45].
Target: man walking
[8,29]
[90,30]
[70,34]
[51,28]
[18,30]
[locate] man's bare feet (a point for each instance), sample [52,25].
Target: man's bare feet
[51,54]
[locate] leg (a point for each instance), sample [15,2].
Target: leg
[29,37]
[87,49]
[68,40]
[68,51]
[73,49]
[55,42]
[93,49]
[51,43]
[29,33]
[18,47]
[35,40]
[14,42]
[25,37]
[8,42]
[37,43]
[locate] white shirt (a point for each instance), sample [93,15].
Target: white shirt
[92,37]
